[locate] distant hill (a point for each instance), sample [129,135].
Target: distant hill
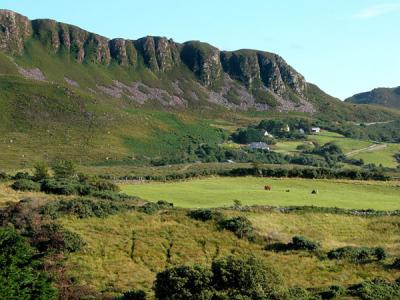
[388,97]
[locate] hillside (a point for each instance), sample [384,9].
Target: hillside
[81,96]
[388,97]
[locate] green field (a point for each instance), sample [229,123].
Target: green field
[219,192]
[370,152]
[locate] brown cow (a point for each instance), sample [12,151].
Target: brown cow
[268,188]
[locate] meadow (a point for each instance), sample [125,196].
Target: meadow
[370,152]
[223,191]
[126,251]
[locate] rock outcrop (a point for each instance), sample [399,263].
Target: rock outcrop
[256,70]
[14,30]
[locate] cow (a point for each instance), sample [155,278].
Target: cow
[268,188]
[314,192]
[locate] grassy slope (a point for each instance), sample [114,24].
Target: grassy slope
[381,155]
[107,264]
[61,120]
[218,192]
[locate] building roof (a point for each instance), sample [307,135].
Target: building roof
[258,145]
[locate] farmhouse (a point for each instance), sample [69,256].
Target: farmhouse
[267,134]
[258,146]
[315,130]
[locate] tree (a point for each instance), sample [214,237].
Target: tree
[245,276]
[184,282]
[41,171]
[64,169]
[20,275]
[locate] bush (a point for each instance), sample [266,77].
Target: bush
[302,243]
[240,226]
[60,187]
[204,214]
[21,275]
[181,283]
[83,208]
[22,175]
[4,176]
[41,171]
[26,185]
[377,289]
[396,264]
[229,278]
[357,254]
[134,295]
[245,276]
[151,207]
[64,169]
[108,195]
[55,237]
[298,243]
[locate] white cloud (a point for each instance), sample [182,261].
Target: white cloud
[377,10]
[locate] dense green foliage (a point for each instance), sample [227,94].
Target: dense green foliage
[229,278]
[21,276]
[358,254]
[26,185]
[204,215]
[377,289]
[84,208]
[240,226]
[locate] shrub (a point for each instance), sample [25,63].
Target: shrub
[83,208]
[134,295]
[41,171]
[396,264]
[204,214]
[22,175]
[302,243]
[4,176]
[108,195]
[333,292]
[61,187]
[20,271]
[55,237]
[298,243]
[240,226]
[26,185]
[64,169]
[377,289]
[103,185]
[151,207]
[245,276]
[357,254]
[183,282]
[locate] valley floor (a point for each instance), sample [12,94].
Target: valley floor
[223,191]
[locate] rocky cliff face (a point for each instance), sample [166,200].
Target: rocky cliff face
[256,70]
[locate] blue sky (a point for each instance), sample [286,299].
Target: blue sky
[344,46]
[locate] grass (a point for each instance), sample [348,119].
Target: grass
[109,265]
[218,192]
[381,155]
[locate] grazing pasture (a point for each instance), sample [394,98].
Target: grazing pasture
[223,191]
[127,250]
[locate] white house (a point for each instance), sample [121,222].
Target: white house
[315,130]
[266,133]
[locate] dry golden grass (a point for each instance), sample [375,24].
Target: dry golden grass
[107,265]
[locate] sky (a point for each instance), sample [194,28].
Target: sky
[343,46]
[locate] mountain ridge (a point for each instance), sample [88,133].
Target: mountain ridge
[269,80]
[387,97]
